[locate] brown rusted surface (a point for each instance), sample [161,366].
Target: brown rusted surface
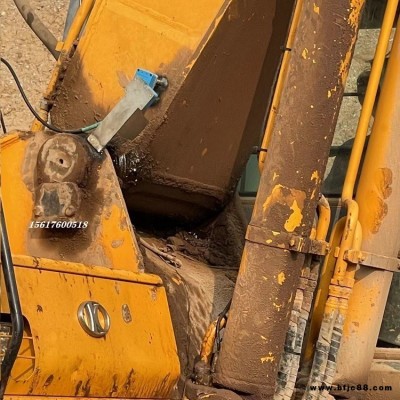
[201,133]
[287,197]
[217,116]
[196,295]
[63,158]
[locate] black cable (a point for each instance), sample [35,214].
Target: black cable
[3,124]
[37,116]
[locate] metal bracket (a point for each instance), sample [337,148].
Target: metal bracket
[288,241]
[372,260]
[126,117]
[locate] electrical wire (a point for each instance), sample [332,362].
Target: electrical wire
[37,116]
[3,124]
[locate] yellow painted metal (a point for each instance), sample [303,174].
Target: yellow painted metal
[322,290]
[208,343]
[112,242]
[343,272]
[136,359]
[279,84]
[339,275]
[369,100]
[157,36]
[73,34]
[44,264]
[377,196]
[324,218]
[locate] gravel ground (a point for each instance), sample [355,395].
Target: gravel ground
[30,59]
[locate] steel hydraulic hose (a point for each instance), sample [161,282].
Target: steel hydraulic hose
[17,322]
[279,84]
[74,31]
[38,28]
[290,359]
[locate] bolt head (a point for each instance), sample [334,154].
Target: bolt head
[38,211]
[70,211]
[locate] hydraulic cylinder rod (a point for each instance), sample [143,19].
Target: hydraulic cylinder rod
[287,197]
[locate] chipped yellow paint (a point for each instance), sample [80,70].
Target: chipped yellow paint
[295,218]
[177,280]
[292,198]
[356,6]
[315,176]
[269,358]
[304,54]
[275,176]
[316,9]
[329,94]
[265,278]
[269,241]
[275,233]
[277,306]
[313,233]
[281,278]
[352,20]
[263,338]
[313,194]
[273,197]
[345,64]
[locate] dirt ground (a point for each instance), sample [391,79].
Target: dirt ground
[30,59]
